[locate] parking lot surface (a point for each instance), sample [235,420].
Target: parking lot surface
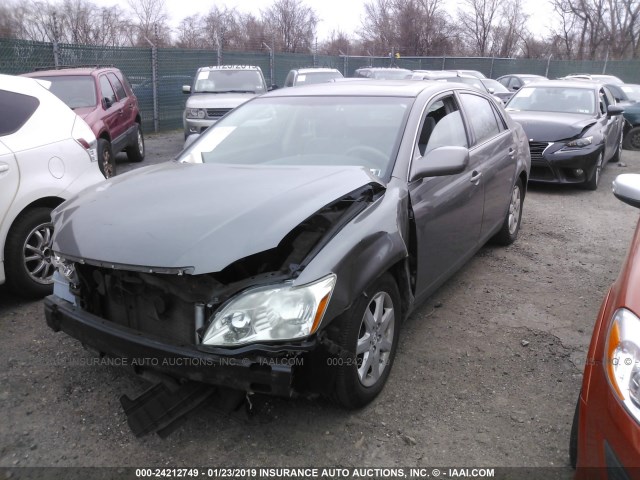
[487,371]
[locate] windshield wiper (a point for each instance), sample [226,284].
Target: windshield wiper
[236,91]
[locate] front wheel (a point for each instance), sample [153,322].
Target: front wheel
[511,225]
[593,182]
[370,331]
[135,151]
[106,162]
[28,254]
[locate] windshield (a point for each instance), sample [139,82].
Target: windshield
[632,91]
[316,77]
[359,131]
[229,81]
[75,91]
[497,86]
[554,99]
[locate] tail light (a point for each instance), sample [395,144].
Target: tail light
[82,134]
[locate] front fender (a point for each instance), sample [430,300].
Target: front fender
[368,246]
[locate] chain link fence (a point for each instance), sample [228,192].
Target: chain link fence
[158,74]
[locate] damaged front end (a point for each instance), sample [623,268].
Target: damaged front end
[248,326]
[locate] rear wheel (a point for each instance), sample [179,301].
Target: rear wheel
[370,331]
[28,254]
[632,139]
[618,153]
[106,161]
[135,151]
[511,226]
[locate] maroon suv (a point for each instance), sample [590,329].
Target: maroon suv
[103,97]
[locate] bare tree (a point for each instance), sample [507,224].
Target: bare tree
[511,29]
[337,42]
[478,20]
[151,22]
[292,23]
[191,32]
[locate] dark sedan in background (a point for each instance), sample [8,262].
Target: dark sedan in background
[301,229]
[573,128]
[516,81]
[628,95]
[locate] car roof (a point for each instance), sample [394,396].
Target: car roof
[317,70]
[21,84]
[520,75]
[229,67]
[565,84]
[381,69]
[65,72]
[367,88]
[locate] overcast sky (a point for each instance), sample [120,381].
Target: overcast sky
[345,15]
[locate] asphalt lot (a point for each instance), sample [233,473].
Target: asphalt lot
[487,371]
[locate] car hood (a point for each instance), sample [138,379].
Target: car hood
[551,126]
[218,100]
[198,217]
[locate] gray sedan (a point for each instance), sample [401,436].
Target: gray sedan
[282,250]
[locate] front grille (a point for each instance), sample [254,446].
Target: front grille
[537,149]
[217,112]
[155,304]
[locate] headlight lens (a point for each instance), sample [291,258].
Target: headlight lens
[622,359]
[66,268]
[196,113]
[274,312]
[580,142]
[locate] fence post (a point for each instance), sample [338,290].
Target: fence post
[271,62]
[154,82]
[606,60]
[218,50]
[56,52]
[546,73]
[444,58]
[491,72]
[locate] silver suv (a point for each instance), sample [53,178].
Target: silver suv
[306,76]
[218,90]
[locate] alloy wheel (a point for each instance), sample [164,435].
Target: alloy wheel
[375,339]
[37,254]
[514,210]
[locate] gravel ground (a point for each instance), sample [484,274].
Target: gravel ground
[487,371]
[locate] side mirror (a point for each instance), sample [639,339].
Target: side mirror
[273,87]
[614,110]
[107,103]
[186,88]
[515,87]
[626,187]
[491,90]
[440,162]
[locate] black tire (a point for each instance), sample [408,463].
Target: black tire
[106,161]
[509,230]
[136,151]
[618,153]
[573,438]
[23,277]
[352,390]
[631,140]
[594,180]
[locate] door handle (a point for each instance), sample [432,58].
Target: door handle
[512,152]
[4,167]
[475,177]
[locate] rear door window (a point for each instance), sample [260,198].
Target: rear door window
[107,90]
[481,116]
[17,110]
[117,85]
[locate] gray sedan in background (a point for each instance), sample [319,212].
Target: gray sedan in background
[282,250]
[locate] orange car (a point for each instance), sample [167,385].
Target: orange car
[605,436]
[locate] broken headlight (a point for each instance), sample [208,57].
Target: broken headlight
[274,312]
[65,267]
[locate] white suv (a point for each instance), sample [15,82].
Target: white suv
[218,90]
[47,155]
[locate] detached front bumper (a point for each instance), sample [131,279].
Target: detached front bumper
[270,370]
[569,166]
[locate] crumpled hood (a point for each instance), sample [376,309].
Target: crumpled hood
[551,126]
[218,100]
[204,216]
